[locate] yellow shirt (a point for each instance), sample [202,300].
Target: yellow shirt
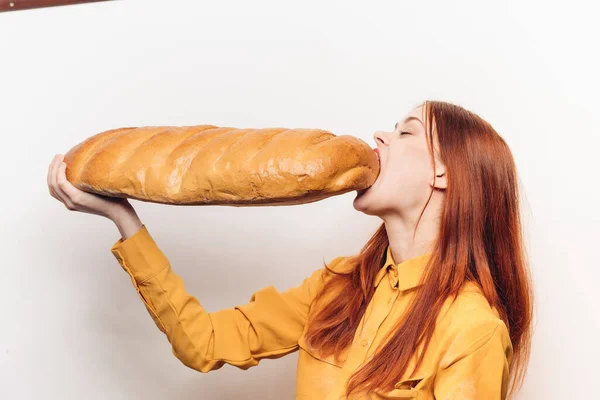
[467,358]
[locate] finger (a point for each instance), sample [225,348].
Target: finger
[57,190]
[64,185]
[50,176]
[50,169]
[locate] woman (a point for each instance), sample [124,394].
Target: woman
[437,305]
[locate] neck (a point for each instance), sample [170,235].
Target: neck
[400,230]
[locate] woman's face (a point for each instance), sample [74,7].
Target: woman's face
[406,174]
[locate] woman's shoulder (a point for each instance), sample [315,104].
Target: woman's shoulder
[342,264]
[467,324]
[339,265]
[321,275]
[469,311]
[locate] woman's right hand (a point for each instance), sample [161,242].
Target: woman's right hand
[78,200]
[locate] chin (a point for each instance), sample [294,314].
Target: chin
[361,201]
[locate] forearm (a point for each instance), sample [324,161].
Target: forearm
[126,220]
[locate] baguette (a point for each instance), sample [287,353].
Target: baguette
[211,165]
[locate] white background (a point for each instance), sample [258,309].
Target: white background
[72,325]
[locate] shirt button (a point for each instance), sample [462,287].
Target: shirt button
[365,342]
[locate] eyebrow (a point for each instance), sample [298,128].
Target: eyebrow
[407,120]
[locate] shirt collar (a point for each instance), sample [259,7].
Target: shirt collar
[406,274]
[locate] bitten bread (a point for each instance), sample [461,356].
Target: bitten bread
[211,165]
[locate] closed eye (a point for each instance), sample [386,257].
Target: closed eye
[402,132]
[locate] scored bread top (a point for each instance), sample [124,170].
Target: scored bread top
[211,165]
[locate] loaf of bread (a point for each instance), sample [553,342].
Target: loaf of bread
[211,165]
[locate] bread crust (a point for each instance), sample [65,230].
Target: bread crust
[211,165]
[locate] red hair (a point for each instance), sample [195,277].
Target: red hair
[480,240]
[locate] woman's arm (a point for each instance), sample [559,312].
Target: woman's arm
[126,220]
[269,326]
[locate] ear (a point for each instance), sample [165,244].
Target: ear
[441,181]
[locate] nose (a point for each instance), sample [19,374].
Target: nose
[380,138]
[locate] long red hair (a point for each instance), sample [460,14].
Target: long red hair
[480,240]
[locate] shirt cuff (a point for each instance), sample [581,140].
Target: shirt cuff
[140,256]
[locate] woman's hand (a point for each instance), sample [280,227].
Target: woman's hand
[77,200]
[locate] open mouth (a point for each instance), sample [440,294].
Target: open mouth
[376,150]
[360,192]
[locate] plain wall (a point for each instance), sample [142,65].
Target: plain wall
[73,326]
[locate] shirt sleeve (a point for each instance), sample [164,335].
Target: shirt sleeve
[475,366]
[269,326]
